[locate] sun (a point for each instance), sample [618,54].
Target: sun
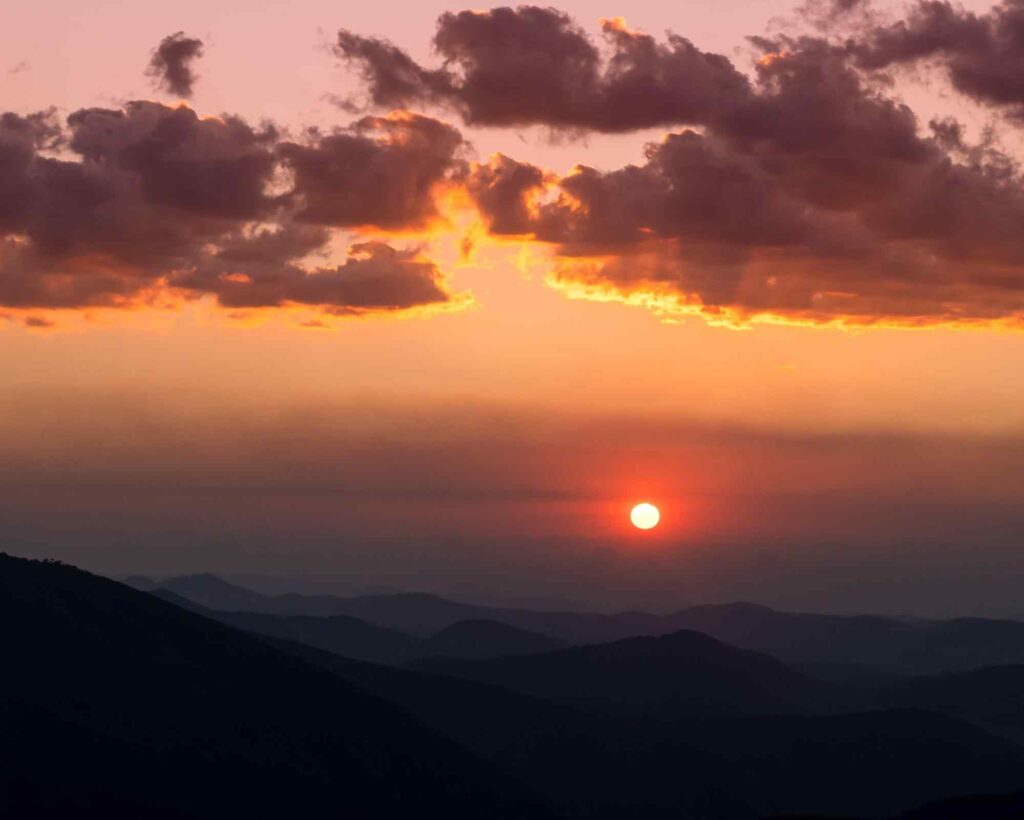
[645,516]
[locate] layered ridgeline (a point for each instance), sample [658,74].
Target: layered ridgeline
[120,704]
[117,704]
[358,639]
[845,647]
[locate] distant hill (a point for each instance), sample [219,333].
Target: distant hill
[992,697]
[205,589]
[682,674]
[907,647]
[868,646]
[342,634]
[117,704]
[353,638]
[480,638]
[601,766]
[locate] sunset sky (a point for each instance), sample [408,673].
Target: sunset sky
[403,294]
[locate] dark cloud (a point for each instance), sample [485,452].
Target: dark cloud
[215,167]
[983,54]
[501,189]
[383,171]
[393,78]
[805,191]
[150,202]
[815,199]
[171,63]
[535,65]
[375,277]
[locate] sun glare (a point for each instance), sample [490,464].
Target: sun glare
[645,516]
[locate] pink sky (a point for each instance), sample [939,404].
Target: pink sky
[126,437]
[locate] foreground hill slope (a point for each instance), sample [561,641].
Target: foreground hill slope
[115,703]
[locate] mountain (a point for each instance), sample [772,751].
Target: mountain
[972,807]
[597,765]
[866,764]
[118,704]
[682,674]
[205,589]
[357,639]
[869,641]
[341,634]
[589,766]
[992,697]
[486,639]
[860,646]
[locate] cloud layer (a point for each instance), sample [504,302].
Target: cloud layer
[807,192]
[799,188]
[148,203]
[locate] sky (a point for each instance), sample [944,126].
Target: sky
[416,296]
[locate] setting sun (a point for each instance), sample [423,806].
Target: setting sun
[645,516]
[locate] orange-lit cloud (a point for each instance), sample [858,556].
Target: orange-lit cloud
[806,192]
[149,204]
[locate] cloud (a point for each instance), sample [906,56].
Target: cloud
[531,65]
[382,171]
[170,66]
[982,54]
[803,190]
[374,278]
[149,204]
[816,199]
[501,189]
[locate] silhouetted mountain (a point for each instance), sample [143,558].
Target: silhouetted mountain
[878,645]
[862,640]
[592,766]
[851,675]
[685,673]
[207,590]
[486,639]
[870,764]
[118,704]
[341,634]
[357,639]
[992,697]
[600,766]
[413,612]
[973,807]
[141,582]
